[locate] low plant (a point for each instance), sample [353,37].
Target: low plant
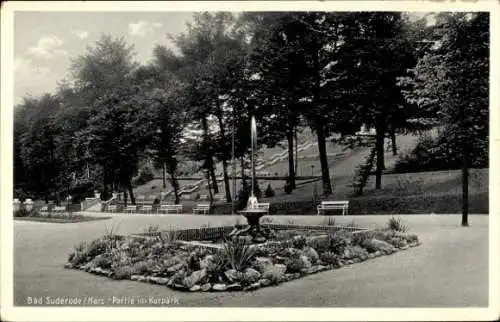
[299,242]
[152,231]
[273,273]
[396,224]
[329,221]
[329,257]
[269,192]
[238,255]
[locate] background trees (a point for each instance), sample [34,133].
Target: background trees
[330,71]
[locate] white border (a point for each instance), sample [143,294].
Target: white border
[10,313]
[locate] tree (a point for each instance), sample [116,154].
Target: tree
[210,63]
[451,80]
[99,74]
[274,81]
[38,145]
[377,52]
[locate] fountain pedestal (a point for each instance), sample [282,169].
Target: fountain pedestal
[253,214]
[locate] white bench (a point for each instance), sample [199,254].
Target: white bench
[44,209]
[59,209]
[170,208]
[130,208]
[264,205]
[147,209]
[201,207]
[333,205]
[112,208]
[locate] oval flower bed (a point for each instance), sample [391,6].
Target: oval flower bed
[236,266]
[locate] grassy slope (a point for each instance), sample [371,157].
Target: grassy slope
[342,172]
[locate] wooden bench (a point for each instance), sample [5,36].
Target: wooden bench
[59,209]
[264,205]
[201,207]
[333,205]
[130,208]
[112,208]
[44,209]
[170,208]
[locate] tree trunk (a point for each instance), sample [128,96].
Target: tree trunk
[209,189]
[291,168]
[213,176]
[465,191]
[175,185]
[224,155]
[131,192]
[393,139]
[325,173]
[209,157]
[125,195]
[164,175]
[296,154]
[319,124]
[379,146]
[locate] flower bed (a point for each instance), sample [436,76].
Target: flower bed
[160,259]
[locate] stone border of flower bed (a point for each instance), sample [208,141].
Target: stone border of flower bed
[267,269]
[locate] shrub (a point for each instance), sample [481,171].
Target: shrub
[396,225]
[329,258]
[269,192]
[299,242]
[145,175]
[238,255]
[22,212]
[273,274]
[329,221]
[96,247]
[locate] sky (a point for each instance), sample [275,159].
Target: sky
[45,42]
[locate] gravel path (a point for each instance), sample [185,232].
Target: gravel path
[449,269]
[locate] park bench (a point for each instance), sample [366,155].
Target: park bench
[59,209]
[44,209]
[201,207]
[112,208]
[264,206]
[147,208]
[130,208]
[333,205]
[170,208]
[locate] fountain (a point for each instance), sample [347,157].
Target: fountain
[252,212]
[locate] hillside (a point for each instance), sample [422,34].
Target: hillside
[342,162]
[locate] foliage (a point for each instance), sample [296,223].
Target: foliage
[299,242]
[435,154]
[23,212]
[451,82]
[397,225]
[145,175]
[269,192]
[273,274]
[329,257]
[238,255]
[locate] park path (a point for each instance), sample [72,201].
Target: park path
[449,269]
